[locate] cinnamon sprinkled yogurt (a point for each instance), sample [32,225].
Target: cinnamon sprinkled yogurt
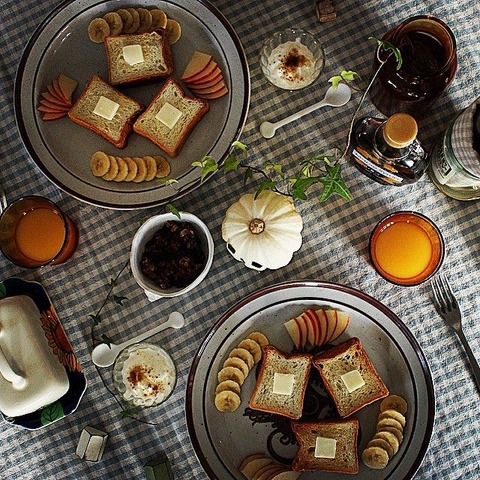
[144,375]
[292,59]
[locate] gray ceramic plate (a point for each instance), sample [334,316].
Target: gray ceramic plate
[62,149]
[222,441]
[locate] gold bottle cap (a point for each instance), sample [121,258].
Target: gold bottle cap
[400,130]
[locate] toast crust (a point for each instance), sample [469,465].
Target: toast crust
[276,361]
[158,60]
[341,359]
[171,140]
[345,432]
[82,112]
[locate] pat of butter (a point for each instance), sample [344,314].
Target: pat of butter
[133,54]
[168,115]
[106,108]
[325,447]
[353,380]
[283,383]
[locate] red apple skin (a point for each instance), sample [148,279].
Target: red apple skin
[323,327]
[213,89]
[301,332]
[208,83]
[313,324]
[332,324]
[342,323]
[203,74]
[213,96]
[209,76]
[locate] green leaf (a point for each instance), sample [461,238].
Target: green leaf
[247,175]
[207,164]
[167,181]
[231,164]
[172,209]
[276,167]
[335,81]
[389,47]
[96,319]
[301,185]
[333,183]
[3,290]
[130,412]
[349,75]
[265,185]
[113,283]
[52,412]
[106,339]
[119,300]
[240,146]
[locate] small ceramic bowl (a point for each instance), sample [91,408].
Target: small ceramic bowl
[292,59]
[146,232]
[144,375]
[406,248]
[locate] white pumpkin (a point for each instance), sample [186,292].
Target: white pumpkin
[263,232]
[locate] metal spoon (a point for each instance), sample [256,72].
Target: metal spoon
[333,98]
[104,355]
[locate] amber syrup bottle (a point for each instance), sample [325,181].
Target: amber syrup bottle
[388,151]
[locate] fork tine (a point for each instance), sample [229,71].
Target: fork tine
[449,295]
[437,297]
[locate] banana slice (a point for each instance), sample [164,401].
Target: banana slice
[163,167]
[230,385]
[142,169]
[375,457]
[253,347]
[245,355]
[98,29]
[145,20]
[151,167]
[231,373]
[113,170]
[227,401]
[388,422]
[394,402]
[390,438]
[132,169]
[159,19]
[136,20]
[259,337]
[115,22]
[122,170]
[99,164]
[237,363]
[396,415]
[174,31]
[127,19]
[398,433]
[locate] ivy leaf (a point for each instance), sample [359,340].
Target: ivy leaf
[231,163]
[248,175]
[96,319]
[265,185]
[167,181]
[173,210]
[127,413]
[389,47]
[119,300]
[207,164]
[113,283]
[240,146]
[276,167]
[301,185]
[335,81]
[349,75]
[333,183]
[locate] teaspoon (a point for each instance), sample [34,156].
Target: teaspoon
[104,355]
[333,98]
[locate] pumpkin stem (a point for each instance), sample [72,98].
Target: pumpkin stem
[256,226]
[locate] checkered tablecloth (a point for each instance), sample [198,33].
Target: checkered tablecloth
[334,246]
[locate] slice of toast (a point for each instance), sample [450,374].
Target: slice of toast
[119,127]
[345,456]
[188,110]
[342,359]
[275,361]
[154,62]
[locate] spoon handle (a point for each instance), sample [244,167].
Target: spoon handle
[300,113]
[149,333]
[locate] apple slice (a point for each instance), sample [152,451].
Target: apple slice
[342,322]
[67,86]
[197,63]
[50,98]
[58,91]
[210,90]
[311,321]
[216,76]
[205,74]
[51,108]
[303,327]
[324,327]
[53,116]
[213,96]
[332,324]
[293,331]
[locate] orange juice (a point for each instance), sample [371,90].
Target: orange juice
[40,234]
[403,249]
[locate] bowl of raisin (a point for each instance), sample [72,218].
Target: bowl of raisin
[171,255]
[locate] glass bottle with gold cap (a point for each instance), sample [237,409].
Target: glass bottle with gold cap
[387,150]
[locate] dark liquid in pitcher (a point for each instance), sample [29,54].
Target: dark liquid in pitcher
[422,54]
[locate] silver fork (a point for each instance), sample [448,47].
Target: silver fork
[448,308]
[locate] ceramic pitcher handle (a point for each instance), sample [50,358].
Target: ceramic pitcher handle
[17,381]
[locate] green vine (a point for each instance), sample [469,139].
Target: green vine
[321,167]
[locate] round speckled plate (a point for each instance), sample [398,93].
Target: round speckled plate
[62,149]
[222,441]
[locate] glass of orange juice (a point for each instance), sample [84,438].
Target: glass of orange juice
[34,232]
[406,248]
